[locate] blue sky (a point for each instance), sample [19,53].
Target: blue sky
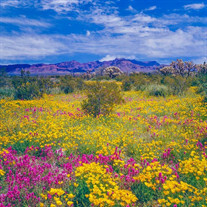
[52,31]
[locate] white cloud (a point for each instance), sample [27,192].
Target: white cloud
[151,8]
[29,46]
[64,5]
[112,57]
[5,3]
[195,6]
[131,9]
[17,3]
[106,20]
[56,5]
[88,33]
[24,21]
[142,18]
[200,60]
[120,37]
[134,36]
[177,19]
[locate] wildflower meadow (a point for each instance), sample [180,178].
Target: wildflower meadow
[150,151]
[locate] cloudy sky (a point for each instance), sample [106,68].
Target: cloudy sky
[52,31]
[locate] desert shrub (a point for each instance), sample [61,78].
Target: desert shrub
[202,85]
[178,85]
[45,84]
[101,98]
[68,89]
[80,85]
[67,84]
[126,84]
[70,84]
[112,71]
[55,90]
[157,90]
[6,92]
[27,87]
[139,81]
[28,91]
[180,68]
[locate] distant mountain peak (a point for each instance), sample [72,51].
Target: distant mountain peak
[69,67]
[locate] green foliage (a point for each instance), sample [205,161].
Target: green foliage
[174,79]
[80,198]
[70,84]
[6,92]
[178,85]
[21,146]
[45,84]
[157,90]
[101,98]
[139,81]
[201,82]
[126,85]
[27,88]
[68,89]
[144,193]
[28,91]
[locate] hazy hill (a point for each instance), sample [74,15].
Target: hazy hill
[73,66]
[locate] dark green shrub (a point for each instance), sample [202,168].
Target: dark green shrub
[6,92]
[70,84]
[28,91]
[178,84]
[202,85]
[126,84]
[157,90]
[144,193]
[139,81]
[68,89]
[101,98]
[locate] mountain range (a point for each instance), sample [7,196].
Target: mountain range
[74,67]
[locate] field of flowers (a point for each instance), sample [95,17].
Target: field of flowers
[150,152]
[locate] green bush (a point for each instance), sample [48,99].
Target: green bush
[70,84]
[101,98]
[202,85]
[28,91]
[56,90]
[68,89]
[6,92]
[178,84]
[157,90]
[126,85]
[139,81]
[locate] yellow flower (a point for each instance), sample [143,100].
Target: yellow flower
[70,195]
[69,203]
[75,184]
